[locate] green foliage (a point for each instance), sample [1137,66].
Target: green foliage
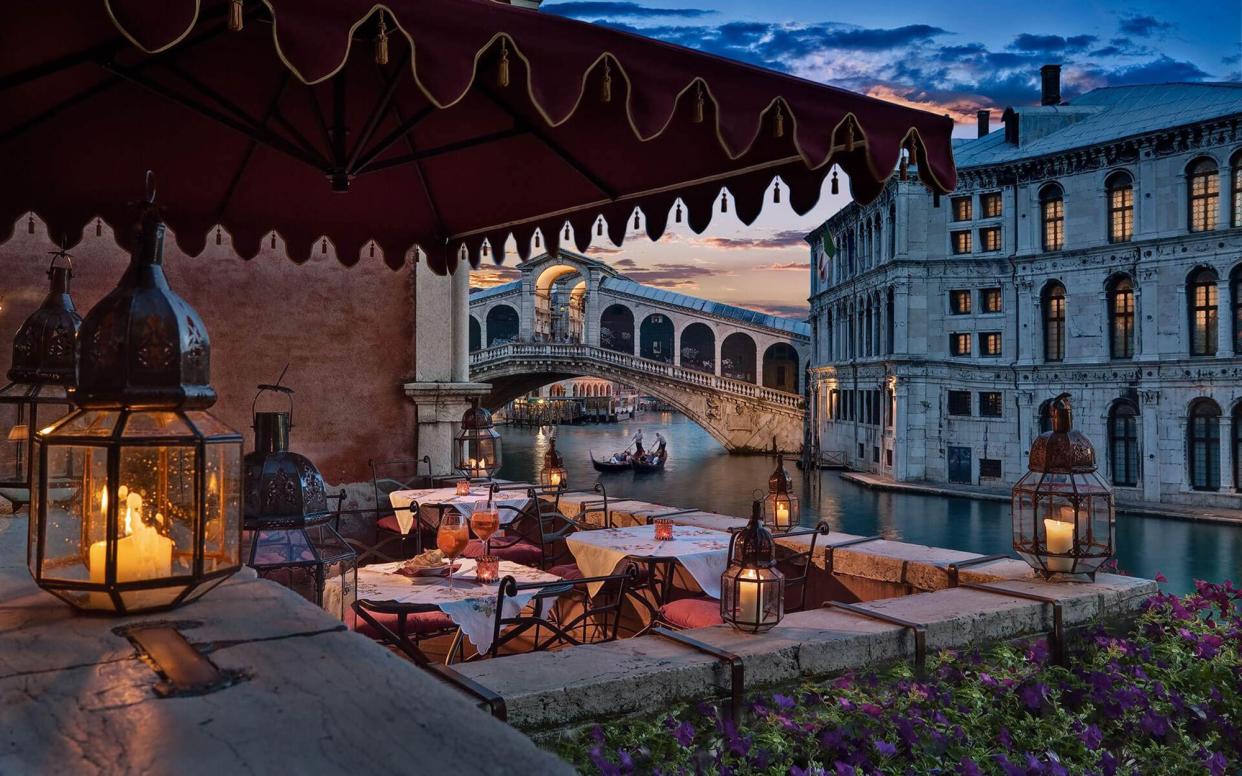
[1165,697]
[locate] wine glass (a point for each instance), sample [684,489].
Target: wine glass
[485,522]
[452,537]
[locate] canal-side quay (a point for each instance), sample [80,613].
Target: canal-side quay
[1197,514]
[547,692]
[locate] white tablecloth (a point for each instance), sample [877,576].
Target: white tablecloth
[704,553]
[470,605]
[467,505]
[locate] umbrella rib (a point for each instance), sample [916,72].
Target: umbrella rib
[35,72]
[69,102]
[401,131]
[379,112]
[251,146]
[552,146]
[418,167]
[447,148]
[317,110]
[265,138]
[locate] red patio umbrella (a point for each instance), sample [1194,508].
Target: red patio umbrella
[430,123]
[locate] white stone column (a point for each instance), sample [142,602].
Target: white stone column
[1150,469]
[1226,453]
[1224,317]
[901,433]
[901,318]
[1146,306]
[460,303]
[526,323]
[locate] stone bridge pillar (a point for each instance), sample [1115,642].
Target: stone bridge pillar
[594,308]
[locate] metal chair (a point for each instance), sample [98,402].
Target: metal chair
[559,613]
[542,528]
[387,477]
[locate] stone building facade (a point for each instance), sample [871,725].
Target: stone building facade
[1093,247]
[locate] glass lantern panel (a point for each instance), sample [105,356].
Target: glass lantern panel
[222,510]
[156,424]
[156,499]
[781,511]
[50,392]
[94,423]
[15,442]
[16,391]
[32,525]
[151,598]
[209,425]
[74,516]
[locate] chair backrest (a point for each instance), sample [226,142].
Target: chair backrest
[599,614]
[397,474]
[799,561]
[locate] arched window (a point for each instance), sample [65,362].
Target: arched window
[698,348]
[1235,189]
[737,357]
[1123,450]
[1236,445]
[476,334]
[1053,304]
[1201,299]
[780,367]
[1045,416]
[1203,445]
[1052,216]
[1203,186]
[502,325]
[616,329]
[1235,294]
[1121,318]
[1120,188]
[655,337]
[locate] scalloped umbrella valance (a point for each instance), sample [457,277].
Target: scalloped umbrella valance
[443,124]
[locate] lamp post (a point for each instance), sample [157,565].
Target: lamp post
[286,521]
[151,517]
[553,476]
[478,444]
[752,588]
[780,508]
[44,373]
[1062,508]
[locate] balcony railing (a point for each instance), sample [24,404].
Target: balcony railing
[522,351]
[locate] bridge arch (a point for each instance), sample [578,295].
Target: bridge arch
[698,348]
[656,338]
[738,356]
[780,367]
[502,324]
[616,329]
[476,334]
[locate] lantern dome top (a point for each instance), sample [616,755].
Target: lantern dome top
[476,417]
[1063,450]
[143,346]
[45,349]
[779,481]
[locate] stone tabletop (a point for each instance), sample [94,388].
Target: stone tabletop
[76,698]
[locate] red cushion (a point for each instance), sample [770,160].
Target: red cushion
[566,571]
[389,523]
[692,613]
[420,623]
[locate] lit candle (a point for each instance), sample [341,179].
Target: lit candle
[463,488]
[663,529]
[782,514]
[555,479]
[748,603]
[142,553]
[1059,538]
[487,569]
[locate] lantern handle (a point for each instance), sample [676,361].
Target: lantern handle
[61,253]
[275,388]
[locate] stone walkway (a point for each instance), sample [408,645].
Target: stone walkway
[1202,514]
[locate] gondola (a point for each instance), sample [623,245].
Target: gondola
[643,467]
[608,465]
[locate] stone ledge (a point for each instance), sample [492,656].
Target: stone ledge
[75,698]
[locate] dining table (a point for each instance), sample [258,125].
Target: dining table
[702,552]
[470,604]
[441,499]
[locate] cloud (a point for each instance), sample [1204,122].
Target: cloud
[788,266]
[795,311]
[783,239]
[488,276]
[1163,69]
[1051,44]
[599,9]
[673,275]
[1142,26]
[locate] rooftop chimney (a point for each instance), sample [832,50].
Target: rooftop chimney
[984,117]
[1050,78]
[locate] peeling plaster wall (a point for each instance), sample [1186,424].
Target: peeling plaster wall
[346,333]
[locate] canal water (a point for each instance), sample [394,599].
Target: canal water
[702,475]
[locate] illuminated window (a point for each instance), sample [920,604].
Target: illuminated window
[990,404]
[1054,322]
[1235,190]
[961,209]
[990,204]
[1121,318]
[1120,207]
[1052,215]
[1201,296]
[990,238]
[959,302]
[961,241]
[990,300]
[1204,186]
[959,344]
[990,343]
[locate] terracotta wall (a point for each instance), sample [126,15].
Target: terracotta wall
[346,333]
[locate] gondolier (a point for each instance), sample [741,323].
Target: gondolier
[637,442]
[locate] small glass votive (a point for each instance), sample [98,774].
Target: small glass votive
[663,528]
[488,569]
[463,487]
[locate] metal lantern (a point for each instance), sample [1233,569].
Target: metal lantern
[151,516]
[752,588]
[1062,508]
[44,372]
[286,520]
[553,475]
[780,508]
[478,444]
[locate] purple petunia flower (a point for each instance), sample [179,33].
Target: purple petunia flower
[783,701]
[684,734]
[968,767]
[1216,764]
[1108,763]
[1154,724]
[843,769]
[1091,737]
[1003,737]
[872,709]
[1032,695]
[885,748]
[1008,768]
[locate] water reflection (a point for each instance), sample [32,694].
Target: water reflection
[699,473]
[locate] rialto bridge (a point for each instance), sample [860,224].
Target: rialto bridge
[736,372]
